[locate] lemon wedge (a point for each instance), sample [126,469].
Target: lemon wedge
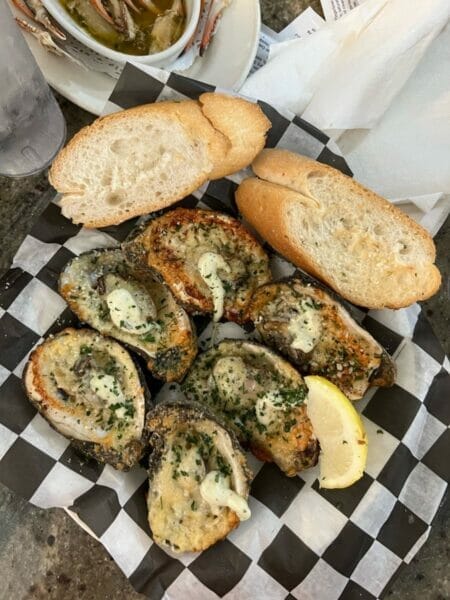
[341,434]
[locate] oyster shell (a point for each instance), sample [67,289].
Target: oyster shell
[198,475]
[319,336]
[210,262]
[129,304]
[89,389]
[260,396]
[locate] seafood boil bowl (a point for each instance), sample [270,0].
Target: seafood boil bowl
[157,59]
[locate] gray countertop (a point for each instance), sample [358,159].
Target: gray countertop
[44,554]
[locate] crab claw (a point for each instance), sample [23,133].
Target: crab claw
[127,20]
[98,5]
[196,33]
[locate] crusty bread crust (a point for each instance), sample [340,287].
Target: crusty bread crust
[243,123]
[261,204]
[271,204]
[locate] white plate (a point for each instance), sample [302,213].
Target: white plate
[226,64]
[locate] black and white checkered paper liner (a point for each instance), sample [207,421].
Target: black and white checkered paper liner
[301,542]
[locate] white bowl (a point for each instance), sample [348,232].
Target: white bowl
[159,59]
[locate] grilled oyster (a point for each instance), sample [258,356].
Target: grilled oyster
[199,480]
[128,304]
[209,260]
[319,336]
[88,388]
[260,396]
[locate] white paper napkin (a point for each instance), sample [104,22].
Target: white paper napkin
[411,143]
[347,73]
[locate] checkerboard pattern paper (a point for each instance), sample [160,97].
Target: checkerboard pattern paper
[301,542]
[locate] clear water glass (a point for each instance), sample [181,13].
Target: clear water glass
[32,127]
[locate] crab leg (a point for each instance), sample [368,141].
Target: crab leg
[215,12]
[131,5]
[115,7]
[20,4]
[40,15]
[197,29]
[127,20]
[97,4]
[45,39]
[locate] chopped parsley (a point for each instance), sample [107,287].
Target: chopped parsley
[148,337]
[289,424]
[223,466]
[294,396]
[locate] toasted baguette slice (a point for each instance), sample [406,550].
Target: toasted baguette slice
[247,140]
[146,158]
[136,161]
[326,223]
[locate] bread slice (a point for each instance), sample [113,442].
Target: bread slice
[247,140]
[136,161]
[146,158]
[326,223]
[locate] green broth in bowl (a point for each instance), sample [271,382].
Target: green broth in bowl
[135,27]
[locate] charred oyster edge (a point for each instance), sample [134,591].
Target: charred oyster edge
[132,453]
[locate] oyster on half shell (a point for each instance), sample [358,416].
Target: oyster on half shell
[261,397]
[127,303]
[89,389]
[198,476]
[210,262]
[319,336]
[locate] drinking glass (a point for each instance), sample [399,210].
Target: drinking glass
[32,127]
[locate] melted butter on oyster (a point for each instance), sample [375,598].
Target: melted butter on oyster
[106,387]
[125,301]
[199,481]
[305,328]
[131,308]
[209,264]
[261,397]
[89,390]
[269,407]
[215,490]
[317,334]
[126,313]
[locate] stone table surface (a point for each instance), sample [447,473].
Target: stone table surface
[43,553]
